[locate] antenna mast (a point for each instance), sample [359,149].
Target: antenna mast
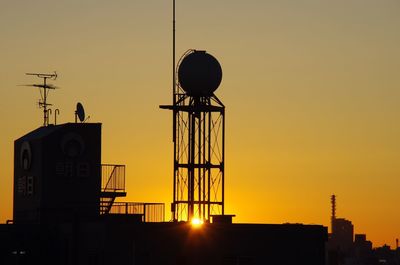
[43,102]
[333,217]
[174,99]
[173,53]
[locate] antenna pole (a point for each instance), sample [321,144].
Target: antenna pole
[173,53]
[45,121]
[174,112]
[43,104]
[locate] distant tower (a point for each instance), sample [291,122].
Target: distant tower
[199,139]
[333,217]
[342,232]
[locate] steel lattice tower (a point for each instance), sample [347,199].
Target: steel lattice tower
[199,139]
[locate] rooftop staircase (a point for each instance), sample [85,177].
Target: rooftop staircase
[112,186]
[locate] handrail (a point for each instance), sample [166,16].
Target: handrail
[151,212]
[109,179]
[112,177]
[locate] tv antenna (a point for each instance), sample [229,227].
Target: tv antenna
[44,91]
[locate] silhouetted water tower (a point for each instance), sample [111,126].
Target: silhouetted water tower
[199,139]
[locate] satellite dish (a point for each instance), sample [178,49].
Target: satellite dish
[80,112]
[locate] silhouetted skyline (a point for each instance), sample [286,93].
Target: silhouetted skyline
[311,90]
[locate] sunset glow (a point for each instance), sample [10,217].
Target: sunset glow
[311,90]
[196,222]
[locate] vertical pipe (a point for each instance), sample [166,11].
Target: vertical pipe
[57,111]
[199,162]
[223,161]
[209,168]
[205,169]
[191,164]
[177,150]
[144,212]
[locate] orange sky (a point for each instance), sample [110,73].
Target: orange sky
[311,89]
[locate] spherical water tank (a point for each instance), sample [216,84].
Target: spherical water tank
[199,74]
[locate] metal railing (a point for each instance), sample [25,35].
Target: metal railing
[106,204]
[151,212]
[112,177]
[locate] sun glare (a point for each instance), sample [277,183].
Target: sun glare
[196,222]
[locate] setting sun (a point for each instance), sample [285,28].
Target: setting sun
[196,222]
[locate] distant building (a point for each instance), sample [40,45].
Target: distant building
[340,243]
[343,250]
[342,235]
[362,249]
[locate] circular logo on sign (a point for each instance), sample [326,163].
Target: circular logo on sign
[72,145]
[26,155]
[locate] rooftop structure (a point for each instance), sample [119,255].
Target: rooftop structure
[199,140]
